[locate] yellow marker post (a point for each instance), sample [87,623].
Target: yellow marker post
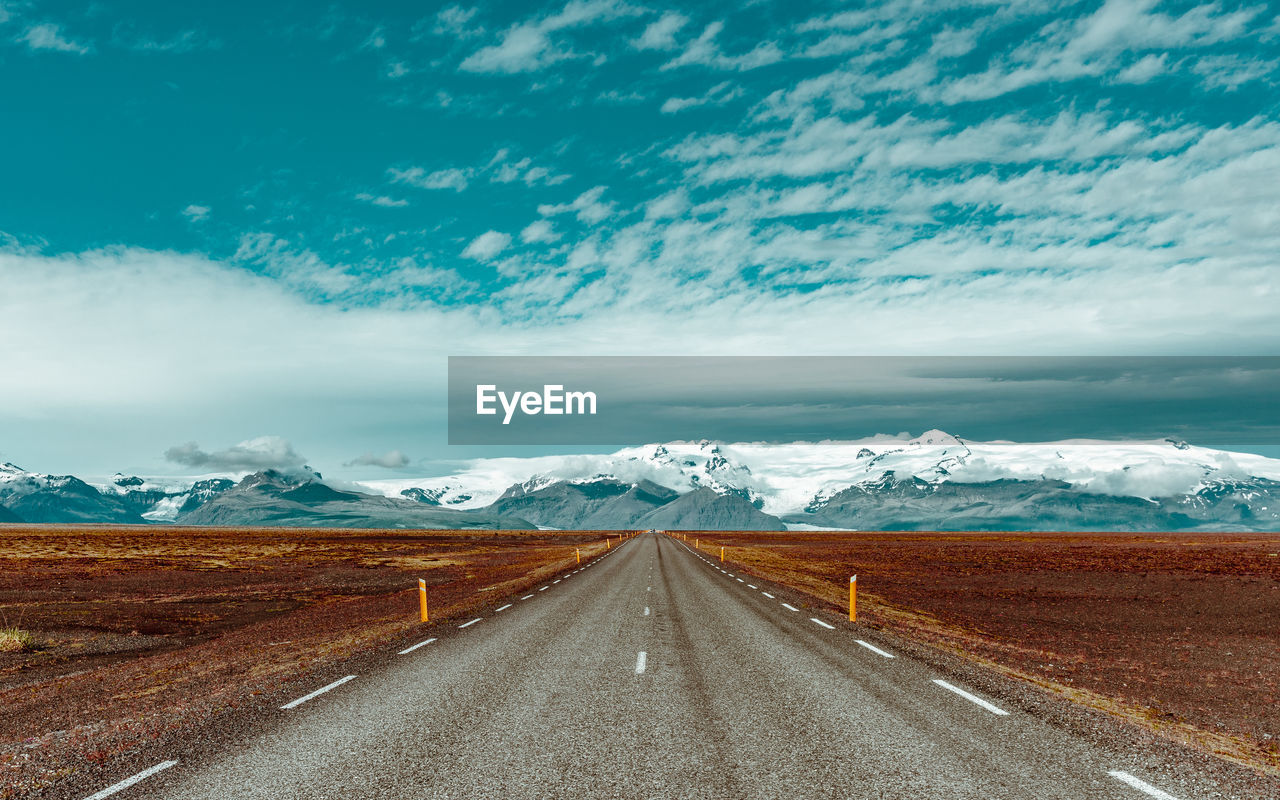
[578,553]
[853,598]
[606,543]
[722,555]
[422,599]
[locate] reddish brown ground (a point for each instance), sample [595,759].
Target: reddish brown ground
[1180,632]
[147,631]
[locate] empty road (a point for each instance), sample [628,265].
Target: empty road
[651,673]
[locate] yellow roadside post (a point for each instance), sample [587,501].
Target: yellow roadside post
[722,555]
[422,600]
[853,598]
[578,552]
[606,543]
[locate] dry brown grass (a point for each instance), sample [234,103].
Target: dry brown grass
[1173,631]
[150,631]
[16,640]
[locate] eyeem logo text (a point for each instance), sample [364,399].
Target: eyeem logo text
[553,399]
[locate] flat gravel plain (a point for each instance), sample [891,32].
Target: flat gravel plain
[654,672]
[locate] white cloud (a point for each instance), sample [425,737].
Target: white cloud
[539,232]
[717,95]
[381,200]
[456,21]
[502,169]
[487,246]
[530,46]
[186,41]
[196,213]
[48,36]
[1144,69]
[705,51]
[1230,72]
[587,207]
[455,179]
[661,34]
[1102,43]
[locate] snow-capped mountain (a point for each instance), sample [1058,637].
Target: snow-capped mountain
[932,481]
[784,479]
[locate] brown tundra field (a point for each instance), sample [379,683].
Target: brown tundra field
[1179,632]
[143,633]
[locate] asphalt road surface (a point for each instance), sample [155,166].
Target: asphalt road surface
[652,673]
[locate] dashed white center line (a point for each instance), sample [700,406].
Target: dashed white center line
[472,622]
[640,659]
[1140,785]
[526,597]
[789,607]
[127,782]
[650,589]
[555,581]
[416,646]
[973,698]
[544,588]
[740,580]
[504,608]
[646,611]
[874,649]
[316,693]
[752,586]
[823,624]
[766,594]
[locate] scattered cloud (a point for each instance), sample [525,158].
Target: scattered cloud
[196,213]
[539,231]
[127,36]
[381,200]
[531,46]
[49,36]
[252,455]
[392,459]
[455,179]
[661,34]
[717,95]
[587,207]
[455,21]
[487,246]
[705,51]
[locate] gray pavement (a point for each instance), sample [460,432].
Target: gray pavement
[737,696]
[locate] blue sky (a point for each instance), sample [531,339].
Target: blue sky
[279,218]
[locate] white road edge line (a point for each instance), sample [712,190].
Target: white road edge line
[789,607]
[316,693]
[544,588]
[472,622]
[504,608]
[823,624]
[411,648]
[640,659]
[752,586]
[766,594]
[127,782]
[973,698]
[556,581]
[526,597]
[875,649]
[1140,785]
